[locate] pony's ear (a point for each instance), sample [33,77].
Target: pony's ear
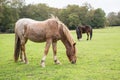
[57,18]
[52,16]
[74,44]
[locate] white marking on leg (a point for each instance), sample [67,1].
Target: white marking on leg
[56,60]
[44,57]
[22,60]
[55,57]
[43,61]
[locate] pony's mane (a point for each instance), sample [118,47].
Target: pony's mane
[54,17]
[65,29]
[68,34]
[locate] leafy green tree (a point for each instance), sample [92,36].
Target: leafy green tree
[37,11]
[70,16]
[9,14]
[99,18]
[73,21]
[83,11]
[118,16]
[89,17]
[63,15]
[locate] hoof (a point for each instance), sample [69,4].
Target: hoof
[22,61]
[26,62]
[79,39]
[57,62]
[43,65]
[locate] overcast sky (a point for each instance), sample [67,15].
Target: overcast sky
[106,5]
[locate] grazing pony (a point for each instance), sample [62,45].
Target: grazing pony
[84,29]
[49,31]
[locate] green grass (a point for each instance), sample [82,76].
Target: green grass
[98,59]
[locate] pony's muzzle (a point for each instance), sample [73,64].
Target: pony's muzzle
[73,62]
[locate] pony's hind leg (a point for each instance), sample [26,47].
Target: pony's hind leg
[23,54]
[54,46]
[22,60]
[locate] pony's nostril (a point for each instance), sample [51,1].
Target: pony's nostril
[73,62]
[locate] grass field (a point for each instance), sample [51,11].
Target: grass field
[98,59]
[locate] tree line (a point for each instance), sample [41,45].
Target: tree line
[72,15]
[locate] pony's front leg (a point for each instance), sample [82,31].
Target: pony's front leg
[54,46]
[87,36]
[48,43]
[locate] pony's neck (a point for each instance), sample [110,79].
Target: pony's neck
[66,36]
[66,43]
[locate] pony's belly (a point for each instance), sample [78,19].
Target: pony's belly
[37,39]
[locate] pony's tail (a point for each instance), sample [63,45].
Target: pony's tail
[91,33]
[17,48]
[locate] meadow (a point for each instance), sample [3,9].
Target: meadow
[98,59]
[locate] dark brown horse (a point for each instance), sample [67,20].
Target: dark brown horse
[84,29]
[49,31]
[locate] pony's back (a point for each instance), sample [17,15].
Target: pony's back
[20,24]
[23,21]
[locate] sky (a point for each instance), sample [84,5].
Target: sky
[106,5]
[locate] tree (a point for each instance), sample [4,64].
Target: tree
[37,11]
[83,10]
[118,16]
[114,19]
[9,14]
[70,16]
[73,21]
[99,18]
[89,17]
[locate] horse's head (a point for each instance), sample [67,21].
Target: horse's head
[79,33]
[71,54]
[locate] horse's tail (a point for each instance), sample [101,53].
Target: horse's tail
[91,33]
[17,48]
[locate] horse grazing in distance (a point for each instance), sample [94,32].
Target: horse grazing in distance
[84,29]
[49,31]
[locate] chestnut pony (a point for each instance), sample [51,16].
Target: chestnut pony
[84,29]
[49,31]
